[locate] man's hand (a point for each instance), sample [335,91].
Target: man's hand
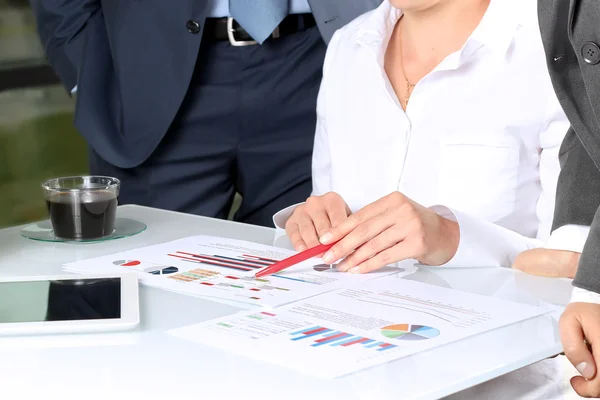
[547,262]
[311,219]
[580,336]
[392,229]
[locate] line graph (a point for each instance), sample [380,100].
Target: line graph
[456,315]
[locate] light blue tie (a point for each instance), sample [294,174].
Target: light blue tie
[259,17]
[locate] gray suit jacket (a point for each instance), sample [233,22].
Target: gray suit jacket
[132,62]
[571,35]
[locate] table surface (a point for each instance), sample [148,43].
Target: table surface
[148,362]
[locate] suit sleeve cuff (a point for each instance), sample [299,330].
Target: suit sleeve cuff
[568,237]
[580,295]
[280,218]
[483,243]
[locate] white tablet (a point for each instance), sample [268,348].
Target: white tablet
[68,304]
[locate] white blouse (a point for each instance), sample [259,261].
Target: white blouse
[478,142]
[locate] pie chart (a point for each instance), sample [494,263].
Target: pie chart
[127,263]
[165,271]
[409,332]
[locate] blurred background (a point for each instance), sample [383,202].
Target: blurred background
[37,137]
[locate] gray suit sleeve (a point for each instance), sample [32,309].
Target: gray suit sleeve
[588,272]
[578,192]
[577,202]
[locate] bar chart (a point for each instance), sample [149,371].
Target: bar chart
[321,336]
[228,281]
[246,262]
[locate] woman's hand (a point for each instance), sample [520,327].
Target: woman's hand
[547,262]
[391,229]
[311,219]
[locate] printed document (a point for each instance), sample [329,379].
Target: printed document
[225,268]
[351,329]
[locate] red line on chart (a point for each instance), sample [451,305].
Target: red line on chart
[362,340]
[325,339]
[269,314]
[317,330]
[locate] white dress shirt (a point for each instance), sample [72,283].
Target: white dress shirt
[478,142]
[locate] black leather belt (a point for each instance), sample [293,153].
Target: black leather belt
[228,29]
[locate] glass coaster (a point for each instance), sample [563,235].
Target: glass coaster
[124,227]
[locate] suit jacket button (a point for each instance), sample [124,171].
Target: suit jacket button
[591,53]
[193,27]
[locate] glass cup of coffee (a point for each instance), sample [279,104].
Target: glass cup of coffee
[82,207]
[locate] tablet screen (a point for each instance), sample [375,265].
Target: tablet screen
[60,300]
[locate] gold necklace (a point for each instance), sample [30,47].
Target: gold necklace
[409,86]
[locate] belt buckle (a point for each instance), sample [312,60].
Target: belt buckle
[231,36]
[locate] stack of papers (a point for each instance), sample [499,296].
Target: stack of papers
[224,269]
[309,317]
[348,330]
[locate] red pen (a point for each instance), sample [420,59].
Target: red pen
[293,260]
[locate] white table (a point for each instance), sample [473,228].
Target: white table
[147,363]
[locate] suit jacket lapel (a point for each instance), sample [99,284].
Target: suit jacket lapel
[331,15]
[572,7]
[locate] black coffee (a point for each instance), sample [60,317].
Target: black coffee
[90,216]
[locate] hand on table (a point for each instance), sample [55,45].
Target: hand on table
[547,262]
[580,336]
[311,219]
[392,229]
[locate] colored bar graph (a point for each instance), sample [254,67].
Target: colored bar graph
[305,330]
[218,264]
[312,333]
[325,336]
[317,330]
[253,263]
[220,259]
[331,339]
[385,346]
[261,258]
[355,341]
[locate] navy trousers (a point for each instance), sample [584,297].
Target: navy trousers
[246,124]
